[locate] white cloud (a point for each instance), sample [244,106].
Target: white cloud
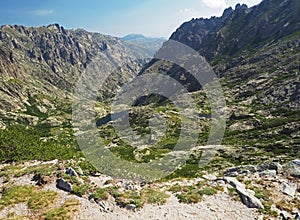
[188,11]
[215,3]
[42,12]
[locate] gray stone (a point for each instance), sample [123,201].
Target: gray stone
[248,199]
[210,177]
[297,216]
[284,215]
[293,168]
[128,186]
[64,185]
[269,173]
[103,207]
[71,172]
[270,166]
[233,182]
[130,207]
[79,171]
[233,170]
[289,189]
[261,217]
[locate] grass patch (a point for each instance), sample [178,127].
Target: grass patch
[99,194]
[207,191]
[65,211]
[189,197]
[41,200]
[15,195]
[154,196]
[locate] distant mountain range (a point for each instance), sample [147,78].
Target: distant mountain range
[149,44]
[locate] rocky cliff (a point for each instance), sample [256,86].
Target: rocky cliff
[39,67]
[255,52]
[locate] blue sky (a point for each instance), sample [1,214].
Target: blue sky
[113,17]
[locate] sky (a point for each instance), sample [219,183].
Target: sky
[154,18]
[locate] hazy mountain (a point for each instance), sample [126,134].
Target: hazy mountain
[148,45]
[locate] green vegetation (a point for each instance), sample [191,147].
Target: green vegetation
[100,194]
[36,200]
[16,194]
[154,196]
[80,189]
[207,191]
[42,200]
[193,194]
[65,211]
[18,143]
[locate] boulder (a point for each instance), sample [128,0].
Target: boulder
[284,215]
[128,186]
[64,185]
[270,166]
[293,168]
[289,189]
[71,172]
[130,207]
[40,180]
[210,177]
[245,170]
[248,198]
[79,171]
[269,173]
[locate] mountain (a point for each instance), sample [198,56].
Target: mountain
[149,45]
[256,53]
[39,67]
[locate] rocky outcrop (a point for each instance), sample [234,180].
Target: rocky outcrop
[293,168]
[64,185]
[248,199]
[49,60]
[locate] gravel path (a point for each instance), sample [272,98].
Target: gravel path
[220,206]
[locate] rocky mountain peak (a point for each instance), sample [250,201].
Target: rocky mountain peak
[241,7]
[56,27]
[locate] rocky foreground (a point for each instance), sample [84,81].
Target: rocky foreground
[63,190]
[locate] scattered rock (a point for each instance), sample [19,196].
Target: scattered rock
[284,215]
[293,168]
[130,207]
[248,199]
[54,162]
[103,207]
[261,217]
[235,171]
[297,215]
[270,166]
[79,171]
[210,177]
[71,172]
[233,182]
[289,189]
[2,125]
[128,186]
[64,185]
[269,173]
[40,180]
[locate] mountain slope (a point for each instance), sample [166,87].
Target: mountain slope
[40,66]
[256,53]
